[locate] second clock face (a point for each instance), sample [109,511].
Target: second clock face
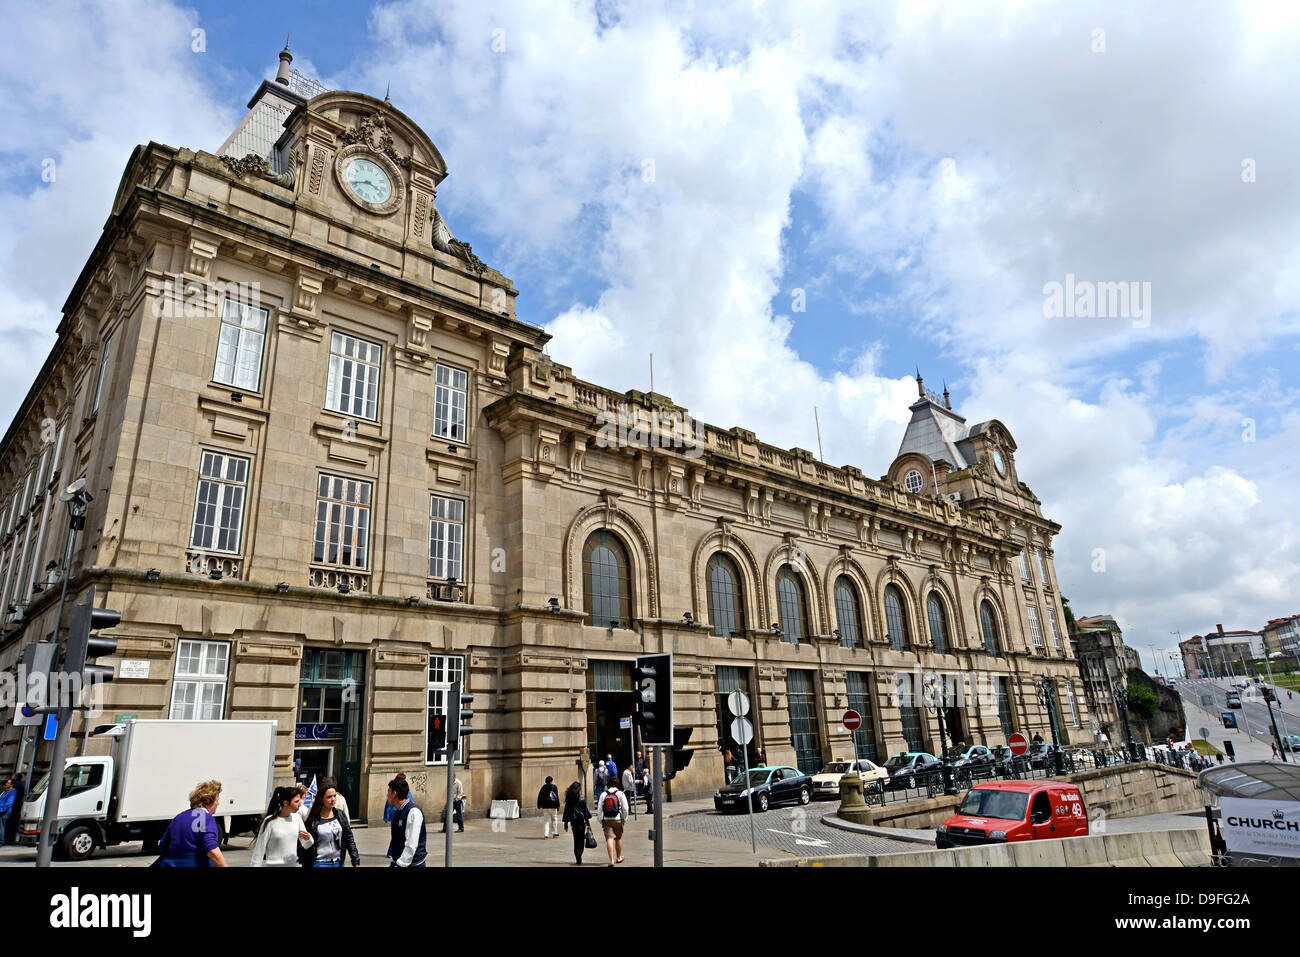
[369,181]
[997,460]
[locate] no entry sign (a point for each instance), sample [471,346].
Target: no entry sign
[1018,743]
[852,720]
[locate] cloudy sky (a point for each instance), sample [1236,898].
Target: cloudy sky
[795,206]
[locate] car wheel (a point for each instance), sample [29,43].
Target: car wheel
[804,796]
[78,843]
[763,802]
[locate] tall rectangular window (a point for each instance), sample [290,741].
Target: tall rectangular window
[1024,565]
[1004,705]
[443,670]
[858,686]
[240,345]
[1042,567]
[446,537]
[342,522]
[353,385]
[105,360]
[450,402]
[1074,702]
[1056,629]
[219,503]
[1034,628]
[199,683]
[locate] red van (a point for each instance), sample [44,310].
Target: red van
[1003,811]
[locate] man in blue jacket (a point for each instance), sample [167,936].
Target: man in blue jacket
[6,807]
[406,840]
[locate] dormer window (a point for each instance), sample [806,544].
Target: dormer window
[913,482]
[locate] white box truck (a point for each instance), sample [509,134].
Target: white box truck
[133,793]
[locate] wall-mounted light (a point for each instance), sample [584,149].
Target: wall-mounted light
[413,601]
[236,397]
[153,574]
[688,618]
[215,573]
[344,587]
[282,587]
[613,624]
[554,603]
[776,628]
[452,449]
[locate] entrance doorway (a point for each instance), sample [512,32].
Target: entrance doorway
[804,733]
[327,734]
[609,702]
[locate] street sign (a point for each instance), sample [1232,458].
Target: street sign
[624,723]
[1018,743]
[742,732]
[51,726]
[852,721]
[738,703]
[1229,719]
[1205,734]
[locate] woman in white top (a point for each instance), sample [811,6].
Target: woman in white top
[282,830]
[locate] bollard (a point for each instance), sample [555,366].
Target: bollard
[851,797]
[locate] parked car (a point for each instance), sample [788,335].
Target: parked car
[968,756]
[1293,742]
[764,788]
[907,769]
[826,784]
[1234,700]
[1041,755]
[1006,811]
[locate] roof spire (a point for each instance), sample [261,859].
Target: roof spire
[282,74]
[947,402]
[920,383]
[387,90]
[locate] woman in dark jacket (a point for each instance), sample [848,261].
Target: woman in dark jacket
[331,834]
[576,816]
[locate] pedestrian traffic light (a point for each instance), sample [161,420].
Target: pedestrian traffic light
[459,716]
[678,756]
[437,736]
[84,646]
[652,700]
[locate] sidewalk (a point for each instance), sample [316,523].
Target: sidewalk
[1245,745]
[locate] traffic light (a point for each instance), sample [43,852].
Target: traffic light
[652,702]
[459,716]
[437,736]
[84,646]
[679,756]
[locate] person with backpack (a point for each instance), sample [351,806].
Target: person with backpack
[577,820]
[548,802]
[613,813]
[601,779]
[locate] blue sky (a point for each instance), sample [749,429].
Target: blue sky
[915,172]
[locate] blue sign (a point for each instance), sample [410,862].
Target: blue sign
[317,732]
[51,726]
[1229,719]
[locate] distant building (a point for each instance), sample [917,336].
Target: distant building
[1231,651]
[1196,660]
[1282,635]
[1104,660]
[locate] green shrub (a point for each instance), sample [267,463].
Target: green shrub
[1142,700]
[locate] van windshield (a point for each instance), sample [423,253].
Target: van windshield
[989,802]
[76,778]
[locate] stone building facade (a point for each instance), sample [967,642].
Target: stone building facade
[332,471]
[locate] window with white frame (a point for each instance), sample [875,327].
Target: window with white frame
[342,522]
[219,502]
[240,346]
[1034,629]
[199,684]
[446,537]
[913,482]
[105,360]
[1024,565]
[1074,702]
[1042,567]
[450,402]
[353,385]
[443,670]
[1056,629]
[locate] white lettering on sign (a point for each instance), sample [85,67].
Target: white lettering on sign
[131,668]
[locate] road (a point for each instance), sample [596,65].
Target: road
[1252,716]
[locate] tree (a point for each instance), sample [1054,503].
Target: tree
[1069,613]
[1142,699]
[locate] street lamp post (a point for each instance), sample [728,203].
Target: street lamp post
[1120,693]
[935,700]
[1047,698]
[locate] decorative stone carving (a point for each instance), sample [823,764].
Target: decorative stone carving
[372,132]
[199,255]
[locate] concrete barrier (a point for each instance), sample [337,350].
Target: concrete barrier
[1085,851]
[1123,850]
[1192,848]
[1157,850]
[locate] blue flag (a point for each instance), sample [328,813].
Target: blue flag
[311,796]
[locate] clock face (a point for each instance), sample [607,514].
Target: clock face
[368,181]
[997,461]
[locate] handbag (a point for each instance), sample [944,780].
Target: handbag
[591,838]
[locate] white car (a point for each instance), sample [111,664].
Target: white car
[827,783]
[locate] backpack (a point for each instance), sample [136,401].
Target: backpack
[611,806]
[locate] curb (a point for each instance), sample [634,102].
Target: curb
[889,833]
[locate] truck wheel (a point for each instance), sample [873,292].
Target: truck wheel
[78,843]
[222,837]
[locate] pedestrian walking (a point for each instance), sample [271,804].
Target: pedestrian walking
[192,839]
[548,802]
[613,809]
[613,768]
[1273,745]
[330,831]
[282,831]
[458,802]
[388,808]
[340,803]
[6,807]
[647,788]
[601,779]
[406,842]
[577,819]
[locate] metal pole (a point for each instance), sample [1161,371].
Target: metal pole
[753,838]
[451,781]
[659,805]
[631,756]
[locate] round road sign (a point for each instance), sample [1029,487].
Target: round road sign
[852,720]
[738,703]
[1018,743]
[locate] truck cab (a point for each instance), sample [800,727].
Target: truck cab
[1004,811]
[83,807]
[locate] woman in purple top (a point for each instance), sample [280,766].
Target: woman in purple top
[191,839]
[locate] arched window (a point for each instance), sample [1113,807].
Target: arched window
[726,600]
[988,625]
[938,629]
[606,582]
[791,607]
[896,618]
[848,612]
